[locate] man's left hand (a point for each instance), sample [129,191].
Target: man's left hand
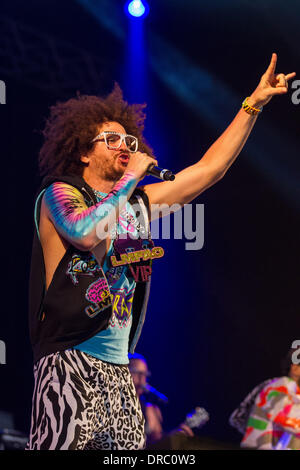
[271,84]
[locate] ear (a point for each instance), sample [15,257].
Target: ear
[85,158]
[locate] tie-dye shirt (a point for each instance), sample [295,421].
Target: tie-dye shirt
[274,421]
[111,345]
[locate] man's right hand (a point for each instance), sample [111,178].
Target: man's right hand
[139,163]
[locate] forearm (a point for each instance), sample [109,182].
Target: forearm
[195,179]
[224,151]
[79,224]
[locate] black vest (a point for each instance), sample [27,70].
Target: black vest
[57,317]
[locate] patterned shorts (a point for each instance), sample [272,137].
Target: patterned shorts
[80,402]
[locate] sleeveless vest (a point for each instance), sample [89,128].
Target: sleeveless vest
[69,312]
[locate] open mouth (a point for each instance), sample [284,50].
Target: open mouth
[124,158]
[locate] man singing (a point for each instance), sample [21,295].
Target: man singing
[92,260]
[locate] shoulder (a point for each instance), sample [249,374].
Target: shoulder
[278,381]
[60,190]
[62,198]
[281,385]
[61,187]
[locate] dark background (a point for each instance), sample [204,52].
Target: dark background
[219,319]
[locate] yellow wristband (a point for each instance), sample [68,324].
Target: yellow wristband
[250,109]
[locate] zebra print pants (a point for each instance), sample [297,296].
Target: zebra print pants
[80,402]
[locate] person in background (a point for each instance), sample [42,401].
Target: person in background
[269,417]
[153,416]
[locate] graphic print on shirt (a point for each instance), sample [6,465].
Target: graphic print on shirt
[274,421]
[85,265]
[128,223]
[114,274]
[127,251]
[121,307]
[120,278]
[98,292]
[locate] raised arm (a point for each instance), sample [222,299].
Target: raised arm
[193,180]
[81,225]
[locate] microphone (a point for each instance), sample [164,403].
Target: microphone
[160,173]
[151,390]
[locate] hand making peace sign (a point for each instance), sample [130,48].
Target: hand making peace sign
[271,84]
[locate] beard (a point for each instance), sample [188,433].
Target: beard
[110,170]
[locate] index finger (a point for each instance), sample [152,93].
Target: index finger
[272,65]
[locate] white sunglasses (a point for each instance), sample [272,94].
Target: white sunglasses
[113,140]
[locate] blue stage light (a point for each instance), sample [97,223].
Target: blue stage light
[137,8]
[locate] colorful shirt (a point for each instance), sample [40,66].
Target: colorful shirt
[274,421]
[111,345]
[77,303]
